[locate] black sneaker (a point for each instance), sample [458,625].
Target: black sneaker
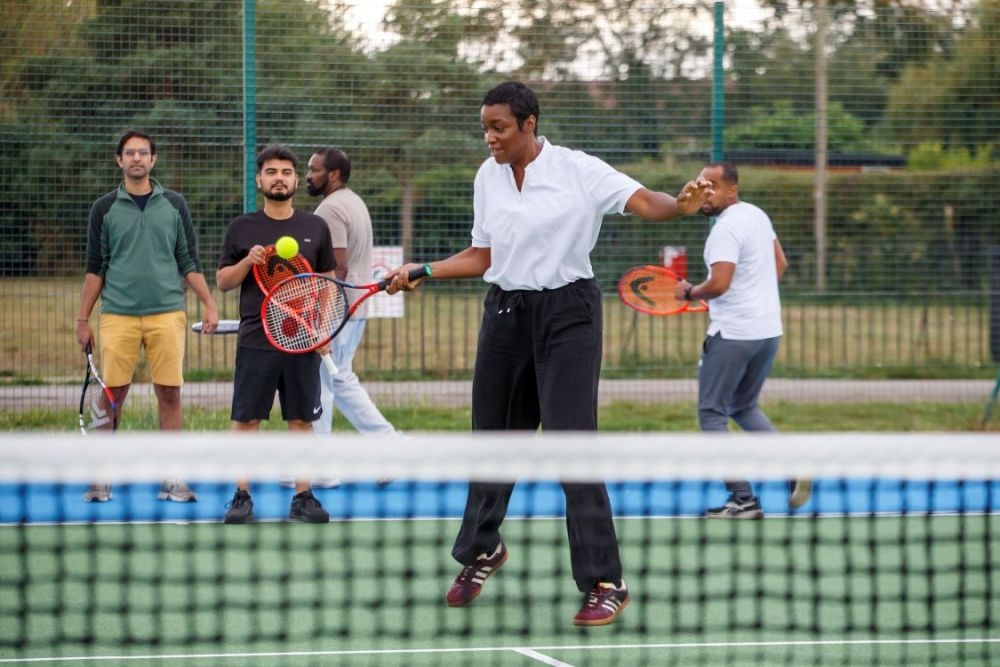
[734,509]
[306,508]
[240,508]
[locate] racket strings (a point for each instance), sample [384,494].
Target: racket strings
[277,269]
[301,314]
[97,410]
[650,290]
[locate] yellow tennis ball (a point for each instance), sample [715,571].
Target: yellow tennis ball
[286,247]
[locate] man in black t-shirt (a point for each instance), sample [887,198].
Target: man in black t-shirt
[260,368]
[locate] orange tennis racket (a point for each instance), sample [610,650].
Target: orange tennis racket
[650,290]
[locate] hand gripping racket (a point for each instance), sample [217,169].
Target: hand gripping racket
[650,290]
[307,311]
[225,327]
[98,408]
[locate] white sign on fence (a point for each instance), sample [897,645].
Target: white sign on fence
[385,258]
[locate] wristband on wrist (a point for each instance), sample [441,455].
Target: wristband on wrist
[427,268]
[687,292]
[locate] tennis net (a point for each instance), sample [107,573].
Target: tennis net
[891,561]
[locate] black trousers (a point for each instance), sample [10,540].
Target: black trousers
[537,364]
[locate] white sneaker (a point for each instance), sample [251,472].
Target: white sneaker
[177,491]
[98,493]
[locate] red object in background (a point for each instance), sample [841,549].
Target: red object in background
[675,258]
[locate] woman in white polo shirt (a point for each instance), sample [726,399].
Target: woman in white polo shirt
[538,210]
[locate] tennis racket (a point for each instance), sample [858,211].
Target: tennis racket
[273,272]
[650,290]
[307,311]
[98,408]
[225,327]
[276,268]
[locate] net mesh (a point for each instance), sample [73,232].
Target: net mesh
[891,561]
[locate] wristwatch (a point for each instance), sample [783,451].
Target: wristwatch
[687,292]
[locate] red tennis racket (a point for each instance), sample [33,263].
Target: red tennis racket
[308,310]
[276,268]
[650,290]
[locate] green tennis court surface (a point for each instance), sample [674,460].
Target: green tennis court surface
[778,591]
[892,561]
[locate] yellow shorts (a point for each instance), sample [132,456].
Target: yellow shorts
[162,335]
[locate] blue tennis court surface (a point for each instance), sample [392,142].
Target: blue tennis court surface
[45,503]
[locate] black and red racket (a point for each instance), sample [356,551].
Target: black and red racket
[98,408]
[308,310]
[650,290]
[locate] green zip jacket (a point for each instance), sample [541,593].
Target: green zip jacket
[142,255]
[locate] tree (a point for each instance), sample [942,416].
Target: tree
[781,126]
[953,98]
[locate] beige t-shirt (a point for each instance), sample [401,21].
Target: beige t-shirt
[351,228]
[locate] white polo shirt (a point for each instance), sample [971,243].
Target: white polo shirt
[751,308]
[541,236]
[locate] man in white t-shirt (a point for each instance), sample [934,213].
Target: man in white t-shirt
[745,262]
[350,226]
[537,211]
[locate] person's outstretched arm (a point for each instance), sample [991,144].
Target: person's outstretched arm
[469,263]
[659,206]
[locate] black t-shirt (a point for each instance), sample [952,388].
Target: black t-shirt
[246,231]
[140,200]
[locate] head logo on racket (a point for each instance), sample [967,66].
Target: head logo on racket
[650,290]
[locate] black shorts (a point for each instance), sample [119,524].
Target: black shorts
[259,373]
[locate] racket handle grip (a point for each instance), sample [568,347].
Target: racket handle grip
[416,274]
[327,360]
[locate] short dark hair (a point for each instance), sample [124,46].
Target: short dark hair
[729,172]
[520,98]
[276,152]
[129,134]
[335,159]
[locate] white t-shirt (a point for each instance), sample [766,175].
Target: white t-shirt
[541,236]
[351,228]
[751,308]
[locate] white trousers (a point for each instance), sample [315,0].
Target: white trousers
[344,389]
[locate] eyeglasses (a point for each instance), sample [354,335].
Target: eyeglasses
[141,152]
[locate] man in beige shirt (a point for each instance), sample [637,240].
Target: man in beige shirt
[351,228]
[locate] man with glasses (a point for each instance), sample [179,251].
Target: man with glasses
[141,250]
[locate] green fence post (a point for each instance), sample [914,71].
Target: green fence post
[718,93]
[249,106]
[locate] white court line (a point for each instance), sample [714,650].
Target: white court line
[542,658]
[494,649]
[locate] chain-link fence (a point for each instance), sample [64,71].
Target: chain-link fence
[887,239]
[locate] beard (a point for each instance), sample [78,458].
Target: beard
[317,189]
[279,196]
